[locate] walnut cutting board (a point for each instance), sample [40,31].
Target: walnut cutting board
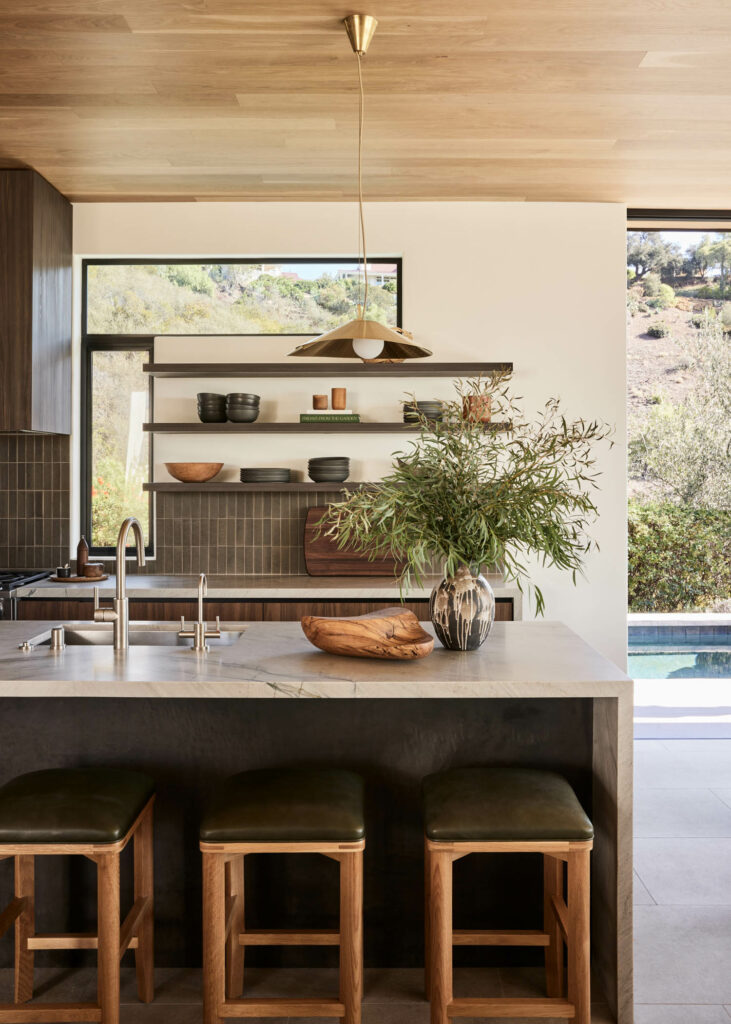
[322,557]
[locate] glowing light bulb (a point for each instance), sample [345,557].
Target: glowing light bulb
[368,348]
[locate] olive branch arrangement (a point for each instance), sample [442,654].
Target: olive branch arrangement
[477,496]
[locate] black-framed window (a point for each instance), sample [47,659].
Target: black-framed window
[240,297]
[116,454]
[128,302]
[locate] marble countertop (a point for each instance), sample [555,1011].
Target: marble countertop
[518,660]
[252,587]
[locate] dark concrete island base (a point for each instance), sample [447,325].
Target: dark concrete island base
[534,695]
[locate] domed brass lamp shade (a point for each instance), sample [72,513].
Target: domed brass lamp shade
[362,338]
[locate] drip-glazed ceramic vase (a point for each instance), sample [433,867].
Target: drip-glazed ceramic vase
[462,610]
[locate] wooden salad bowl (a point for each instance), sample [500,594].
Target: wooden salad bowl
[193,472]
[391,633]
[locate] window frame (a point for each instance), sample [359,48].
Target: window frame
[108,343]
[91,343]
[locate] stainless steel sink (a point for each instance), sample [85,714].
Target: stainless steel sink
[143,635]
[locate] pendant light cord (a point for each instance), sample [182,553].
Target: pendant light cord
[361,217]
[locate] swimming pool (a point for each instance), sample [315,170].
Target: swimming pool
[679,661]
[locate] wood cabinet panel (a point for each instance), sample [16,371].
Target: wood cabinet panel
[232,611]
[35,304]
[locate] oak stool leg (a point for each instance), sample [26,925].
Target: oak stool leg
[108,936]
[24,928]
[144,888]
[234,949]
[553,886]
[351,935]
[579,976]
[214,936]
[440,926]
[427,929]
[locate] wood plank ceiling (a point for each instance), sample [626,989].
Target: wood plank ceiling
[626,100]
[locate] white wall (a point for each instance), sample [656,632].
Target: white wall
[541,284]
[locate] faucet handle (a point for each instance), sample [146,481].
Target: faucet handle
[102,614]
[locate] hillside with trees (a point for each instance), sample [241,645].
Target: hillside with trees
[679,421]
[224,298]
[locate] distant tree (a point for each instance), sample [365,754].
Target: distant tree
[685,448]
[648,251]
[698,258]
[720,256]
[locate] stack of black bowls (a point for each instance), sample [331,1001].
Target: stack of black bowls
[432,410]
[211,408]
[258,475]
[329,469]
[242,408]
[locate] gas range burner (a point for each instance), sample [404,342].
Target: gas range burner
[11,579]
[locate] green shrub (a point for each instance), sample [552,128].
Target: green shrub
[726,316]
[651,285]
[658,330]
[679,558]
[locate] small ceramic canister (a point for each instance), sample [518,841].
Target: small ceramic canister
[338,397]
[319,401]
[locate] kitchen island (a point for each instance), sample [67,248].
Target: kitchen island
[535,694]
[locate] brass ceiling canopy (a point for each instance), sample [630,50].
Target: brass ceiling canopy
[360,28]
[362,338]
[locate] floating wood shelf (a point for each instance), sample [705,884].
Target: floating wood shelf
[298,486]
[291,428]
[411,368]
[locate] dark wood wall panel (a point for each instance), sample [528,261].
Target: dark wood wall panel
[35,304]
[232,611]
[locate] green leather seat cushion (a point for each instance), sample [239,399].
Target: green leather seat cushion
[287,805]
[72,805]
[492,803]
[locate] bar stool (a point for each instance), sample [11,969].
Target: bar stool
[280,811]
[93,813]
[509,810]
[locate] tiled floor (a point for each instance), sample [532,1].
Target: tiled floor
[682,881]
[682,917]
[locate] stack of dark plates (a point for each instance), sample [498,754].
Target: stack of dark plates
[329,469]
[257,475]
[432,410]
[211,408]
[242,408]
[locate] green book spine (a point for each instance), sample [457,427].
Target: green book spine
[329,418]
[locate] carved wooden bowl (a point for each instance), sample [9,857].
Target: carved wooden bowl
[391,633]
[193,472]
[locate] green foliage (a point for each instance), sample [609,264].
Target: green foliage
[188,275]
[658,330]
[651,285]
[648,252]
[114,496]
[679,558]
[726,316]
[223,299]
[475,497]
[666,298]
[684,449]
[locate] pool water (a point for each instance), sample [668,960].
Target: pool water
[663,661]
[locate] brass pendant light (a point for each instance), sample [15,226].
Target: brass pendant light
[362,338]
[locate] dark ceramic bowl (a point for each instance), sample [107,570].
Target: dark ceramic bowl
[210,396]
[242,413]
[330,477]
[243,399]
[256,474]
[212,415]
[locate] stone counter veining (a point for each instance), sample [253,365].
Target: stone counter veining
[519,659]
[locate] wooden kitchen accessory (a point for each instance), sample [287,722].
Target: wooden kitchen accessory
[338,396]
[324,558]
[391,633]
[319,401]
